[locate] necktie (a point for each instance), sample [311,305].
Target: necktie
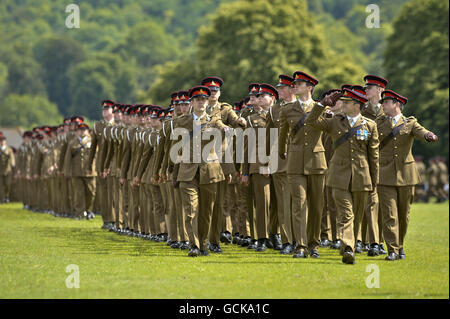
[393,122]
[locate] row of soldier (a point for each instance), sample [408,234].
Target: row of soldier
[345,176]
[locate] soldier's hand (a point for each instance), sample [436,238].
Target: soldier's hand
[283,156]
[229,178]
[374,186]
[245,180]
[331,99]
[242,121]
[431,137]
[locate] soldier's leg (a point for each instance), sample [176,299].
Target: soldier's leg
[103,198]
[315,190]
[283,196]
[206,198]
[297,186]
[333,213]
[8,183]
[261,192]
[143,211]
[349,214]
[2,188]
[388,209]
[90,193]
[325,224]
[181,223]
[135,209]
[405,198]
[243,222]
[110,192]
[251,210]
[173,234]
[149,220]
[118,203]
[158,209]
[371,214]
[125,201]
[274,224]
[217,214]
[190,199]
[79,196]
[231,200]
[227,206]
[163,188]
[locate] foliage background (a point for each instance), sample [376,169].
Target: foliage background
[140,51]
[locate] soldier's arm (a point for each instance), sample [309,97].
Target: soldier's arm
[67,160]
[126,157]
[420,132]
[283,135]
[166,162]
[233,119]
[269,125]
[145,159]
[13,159]
[373,155]
[316,120]
[159,155]
[93,149]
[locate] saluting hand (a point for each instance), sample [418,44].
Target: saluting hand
[431,137]
[330,100]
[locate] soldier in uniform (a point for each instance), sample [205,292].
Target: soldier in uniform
[353,170]
[433,179]
[279,178]
[7,164]
[198,181]
[220,230]
[306,165]
[76,167]
[98,151]
[420,193]
[398,172]
[329,217]
[443,179]
[256,168]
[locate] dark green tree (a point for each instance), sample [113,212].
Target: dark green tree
[417,66]
[28,111]
[56,55]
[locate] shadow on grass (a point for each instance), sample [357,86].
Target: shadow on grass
[94,241]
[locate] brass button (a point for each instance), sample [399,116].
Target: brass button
[306,143]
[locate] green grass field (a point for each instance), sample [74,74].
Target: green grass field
[35,250]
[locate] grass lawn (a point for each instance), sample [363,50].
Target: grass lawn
[35,250]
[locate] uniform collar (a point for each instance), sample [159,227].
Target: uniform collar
[353,119]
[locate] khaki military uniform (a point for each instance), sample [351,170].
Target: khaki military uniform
[371,227]
[7,163]
[419,190]
[76,166]
[99,149]
[256,169]
[280,180]
[306,166]
[398,175]
[353,169]
[198,181]
[221,218]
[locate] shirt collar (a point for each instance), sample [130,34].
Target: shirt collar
[397,117]
[353,119]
